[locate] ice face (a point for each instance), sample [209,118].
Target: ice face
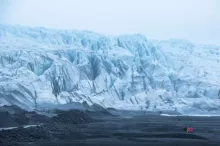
[43,66]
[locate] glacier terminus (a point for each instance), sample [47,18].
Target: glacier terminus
[41,67]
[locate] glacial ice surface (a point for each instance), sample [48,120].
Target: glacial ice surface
[41,66]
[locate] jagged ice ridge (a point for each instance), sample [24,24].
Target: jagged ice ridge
[41,67]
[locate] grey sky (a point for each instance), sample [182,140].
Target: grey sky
[194,20]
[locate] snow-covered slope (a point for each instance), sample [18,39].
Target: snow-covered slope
[42,67]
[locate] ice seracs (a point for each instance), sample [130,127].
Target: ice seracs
[41,66]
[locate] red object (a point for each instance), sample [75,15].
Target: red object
[189,129]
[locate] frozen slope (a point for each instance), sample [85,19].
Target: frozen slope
[41,67]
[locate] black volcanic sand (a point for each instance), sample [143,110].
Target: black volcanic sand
[13,116]
[75,128]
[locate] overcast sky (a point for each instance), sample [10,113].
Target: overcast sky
[195,20]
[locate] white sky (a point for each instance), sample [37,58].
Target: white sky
[194,20]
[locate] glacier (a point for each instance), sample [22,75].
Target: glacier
[41,67]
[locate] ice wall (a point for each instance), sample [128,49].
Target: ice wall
[43,66]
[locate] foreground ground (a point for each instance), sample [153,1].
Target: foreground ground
[105,129]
